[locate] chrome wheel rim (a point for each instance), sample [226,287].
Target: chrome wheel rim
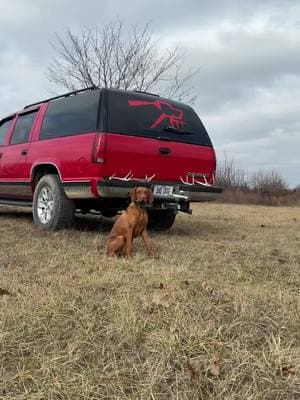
[45,205]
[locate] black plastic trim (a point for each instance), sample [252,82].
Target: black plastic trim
[10,183]
[76,183]
[18,203]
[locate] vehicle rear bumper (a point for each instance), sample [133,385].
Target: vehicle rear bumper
[181,193]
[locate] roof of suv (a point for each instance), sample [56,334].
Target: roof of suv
[62,95]
[75,92]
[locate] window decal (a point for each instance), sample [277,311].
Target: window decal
[168,112]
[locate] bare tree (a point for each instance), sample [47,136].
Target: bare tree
[119,57]
[231,177]
[271,183]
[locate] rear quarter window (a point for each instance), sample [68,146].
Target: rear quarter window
[71,116]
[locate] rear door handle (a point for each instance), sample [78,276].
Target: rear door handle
[24,152]
[164,151]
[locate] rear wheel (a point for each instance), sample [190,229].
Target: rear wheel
[161,220]
[51,207]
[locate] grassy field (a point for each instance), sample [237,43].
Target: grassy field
[215,315]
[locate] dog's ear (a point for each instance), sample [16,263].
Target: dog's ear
[133,195]
[150,197]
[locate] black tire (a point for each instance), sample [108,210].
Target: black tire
[161,220]
[62,208]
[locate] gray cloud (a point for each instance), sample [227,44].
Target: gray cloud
[248,52]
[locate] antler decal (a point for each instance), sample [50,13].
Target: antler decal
[168,112]
[191,180]
[129,177]
[126,178]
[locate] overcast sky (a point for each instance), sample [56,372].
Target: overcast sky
[249,52]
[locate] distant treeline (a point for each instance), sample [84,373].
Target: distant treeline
[266,188]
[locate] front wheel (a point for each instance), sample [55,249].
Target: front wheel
[161,220]
[52,209]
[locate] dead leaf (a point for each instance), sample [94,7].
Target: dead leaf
[187,283]
[176,365]
[275,252]
[214,369]
[4,292]
[209,289]
[288,370]
[194,373]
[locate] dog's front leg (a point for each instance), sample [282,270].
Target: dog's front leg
[147,242]
[129,239]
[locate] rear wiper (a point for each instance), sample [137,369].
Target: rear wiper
[163,138]
[175,130]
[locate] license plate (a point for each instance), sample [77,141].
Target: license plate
[163,191]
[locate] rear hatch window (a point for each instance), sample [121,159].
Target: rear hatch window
[140,114]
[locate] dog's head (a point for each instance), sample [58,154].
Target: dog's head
[141,195]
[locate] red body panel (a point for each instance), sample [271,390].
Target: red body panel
[142,156]
[15,163]
[72,155]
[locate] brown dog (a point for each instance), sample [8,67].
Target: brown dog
[131,223]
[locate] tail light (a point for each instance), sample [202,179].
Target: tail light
[214,161]
[214,168]
[100,145]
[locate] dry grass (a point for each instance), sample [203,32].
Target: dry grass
[216,315]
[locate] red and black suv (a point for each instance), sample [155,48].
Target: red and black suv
[83,151]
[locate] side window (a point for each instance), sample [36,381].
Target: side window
[23,128]
[71,116]
[4,128]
